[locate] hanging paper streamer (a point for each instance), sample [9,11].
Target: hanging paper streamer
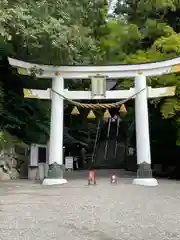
[91,115]
[108,133]
[75,111]
[117,134]
[107,115]
[114,118]
[123,110]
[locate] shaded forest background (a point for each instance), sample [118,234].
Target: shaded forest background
[81,32]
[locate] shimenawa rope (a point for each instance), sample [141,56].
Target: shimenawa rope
[98,105]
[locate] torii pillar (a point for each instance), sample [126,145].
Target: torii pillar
[56,169]
[144,172]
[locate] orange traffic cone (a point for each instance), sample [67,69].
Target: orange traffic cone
[91,177]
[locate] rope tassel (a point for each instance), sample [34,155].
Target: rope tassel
[75,111]
[107,115]
[91,115]
[123,109]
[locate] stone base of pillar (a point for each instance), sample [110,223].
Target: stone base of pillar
[151,182]
[144,170]
[55,181]
[144,175]
[55,175]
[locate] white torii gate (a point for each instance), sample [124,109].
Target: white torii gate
[138,71]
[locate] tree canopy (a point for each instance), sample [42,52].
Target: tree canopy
[157,24]
[60,31]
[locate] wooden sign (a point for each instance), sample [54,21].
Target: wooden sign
[69,163]
[98,86]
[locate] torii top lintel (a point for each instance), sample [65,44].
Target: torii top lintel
[110,71]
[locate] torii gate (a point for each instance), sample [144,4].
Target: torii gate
[138,71]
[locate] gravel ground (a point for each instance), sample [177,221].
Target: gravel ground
[77,211]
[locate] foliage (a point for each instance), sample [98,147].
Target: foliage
[34,29]
[50,33]
[159,39]
[119,39]
[8,141]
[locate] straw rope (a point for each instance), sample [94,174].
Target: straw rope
[98,105]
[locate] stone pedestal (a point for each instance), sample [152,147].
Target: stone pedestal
[55,175]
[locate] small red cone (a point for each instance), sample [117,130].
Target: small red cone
[91,177]
[113,179]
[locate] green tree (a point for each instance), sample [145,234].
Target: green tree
[52,32]
[48,32]
[159,40]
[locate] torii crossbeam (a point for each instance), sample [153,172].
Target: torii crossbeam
[138,71]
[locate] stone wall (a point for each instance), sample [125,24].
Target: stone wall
[8,168]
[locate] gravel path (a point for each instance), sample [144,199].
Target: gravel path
[73,211]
